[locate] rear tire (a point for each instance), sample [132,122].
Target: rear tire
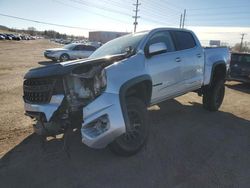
[213,95]
[136,133]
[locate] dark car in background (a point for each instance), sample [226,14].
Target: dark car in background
[2,36]
[239,67]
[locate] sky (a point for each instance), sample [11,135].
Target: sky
[221,20]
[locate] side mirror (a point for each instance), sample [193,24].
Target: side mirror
[157,48]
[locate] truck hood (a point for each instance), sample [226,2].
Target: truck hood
[60,69]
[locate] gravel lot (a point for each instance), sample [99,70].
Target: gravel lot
[187,146]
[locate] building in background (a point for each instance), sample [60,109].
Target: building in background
[104,36]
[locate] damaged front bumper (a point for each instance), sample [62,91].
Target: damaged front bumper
[46,109]
[103,121]
[102,118]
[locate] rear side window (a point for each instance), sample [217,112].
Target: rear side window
[78,47]
[183,40]
[90,48]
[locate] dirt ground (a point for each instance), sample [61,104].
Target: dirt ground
[187,146]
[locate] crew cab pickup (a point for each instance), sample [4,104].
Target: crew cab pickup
[108,93]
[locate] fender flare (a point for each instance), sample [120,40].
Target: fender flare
[221,62]
[124,88]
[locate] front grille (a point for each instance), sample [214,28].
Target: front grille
[40,90]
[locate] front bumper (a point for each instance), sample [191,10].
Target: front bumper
[107,105]
[47,109]
[50,56]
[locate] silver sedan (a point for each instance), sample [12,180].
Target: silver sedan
[70,51]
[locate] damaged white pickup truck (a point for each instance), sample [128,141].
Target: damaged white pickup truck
[108,93]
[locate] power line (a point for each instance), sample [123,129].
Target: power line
[88,4]
[92,12]
[163,7]
[47,23]
[219,13]
[212,8]
[167,5]
[101,7]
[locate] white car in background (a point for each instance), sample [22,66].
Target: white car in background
[70,51]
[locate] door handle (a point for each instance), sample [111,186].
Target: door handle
[178,59]
[198,55]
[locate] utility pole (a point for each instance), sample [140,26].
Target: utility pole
[136,14]
[184,18]
[180,20]
[241,42]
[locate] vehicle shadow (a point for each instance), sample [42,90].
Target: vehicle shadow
[243,87]
[187,147]
[47,62]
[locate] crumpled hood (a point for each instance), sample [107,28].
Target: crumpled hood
[60,69]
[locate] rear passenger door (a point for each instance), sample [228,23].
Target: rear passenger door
[190,59]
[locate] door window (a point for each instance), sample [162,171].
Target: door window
[78,47]
[162,36]
[183,40]
[90,48]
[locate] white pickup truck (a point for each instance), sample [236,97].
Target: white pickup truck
[108,93]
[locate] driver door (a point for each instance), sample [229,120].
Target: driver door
[164,68]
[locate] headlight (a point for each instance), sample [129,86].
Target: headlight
[100,82]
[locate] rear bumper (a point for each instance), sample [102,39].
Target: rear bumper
[107,106]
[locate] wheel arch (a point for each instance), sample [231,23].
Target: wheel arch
[140,87]
[218,71]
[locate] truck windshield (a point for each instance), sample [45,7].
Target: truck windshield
[119,45]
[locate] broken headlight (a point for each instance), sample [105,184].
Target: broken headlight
[100,82]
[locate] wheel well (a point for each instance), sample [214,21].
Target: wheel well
[141,90]
[219,72]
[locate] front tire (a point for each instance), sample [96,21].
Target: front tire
[213,95]
[136,133]
[64,57]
